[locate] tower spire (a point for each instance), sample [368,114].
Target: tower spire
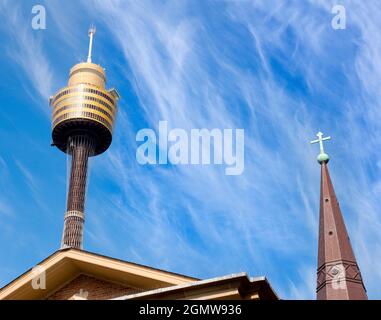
[338,275]
[91,35]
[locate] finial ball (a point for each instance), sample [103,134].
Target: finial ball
[323,157]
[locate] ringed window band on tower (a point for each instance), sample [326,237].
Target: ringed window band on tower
[84,106]
[79,98]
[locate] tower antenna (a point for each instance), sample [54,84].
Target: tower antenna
[91,35]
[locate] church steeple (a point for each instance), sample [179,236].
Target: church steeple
[338,275]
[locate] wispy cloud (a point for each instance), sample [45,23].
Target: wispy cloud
[185,70]
[32,184]
[185,75]
[276,69]
[26,49]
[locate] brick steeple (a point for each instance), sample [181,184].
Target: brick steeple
[338,275]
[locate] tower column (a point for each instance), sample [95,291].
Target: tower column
[80,147]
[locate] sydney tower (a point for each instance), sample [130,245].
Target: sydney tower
[83,115]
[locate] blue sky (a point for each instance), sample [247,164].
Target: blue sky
[277,69]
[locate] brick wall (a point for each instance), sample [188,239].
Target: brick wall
[97,289]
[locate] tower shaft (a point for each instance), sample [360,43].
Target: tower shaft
[338,275]
[80,147]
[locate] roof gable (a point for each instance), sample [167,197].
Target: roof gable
[65,265]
